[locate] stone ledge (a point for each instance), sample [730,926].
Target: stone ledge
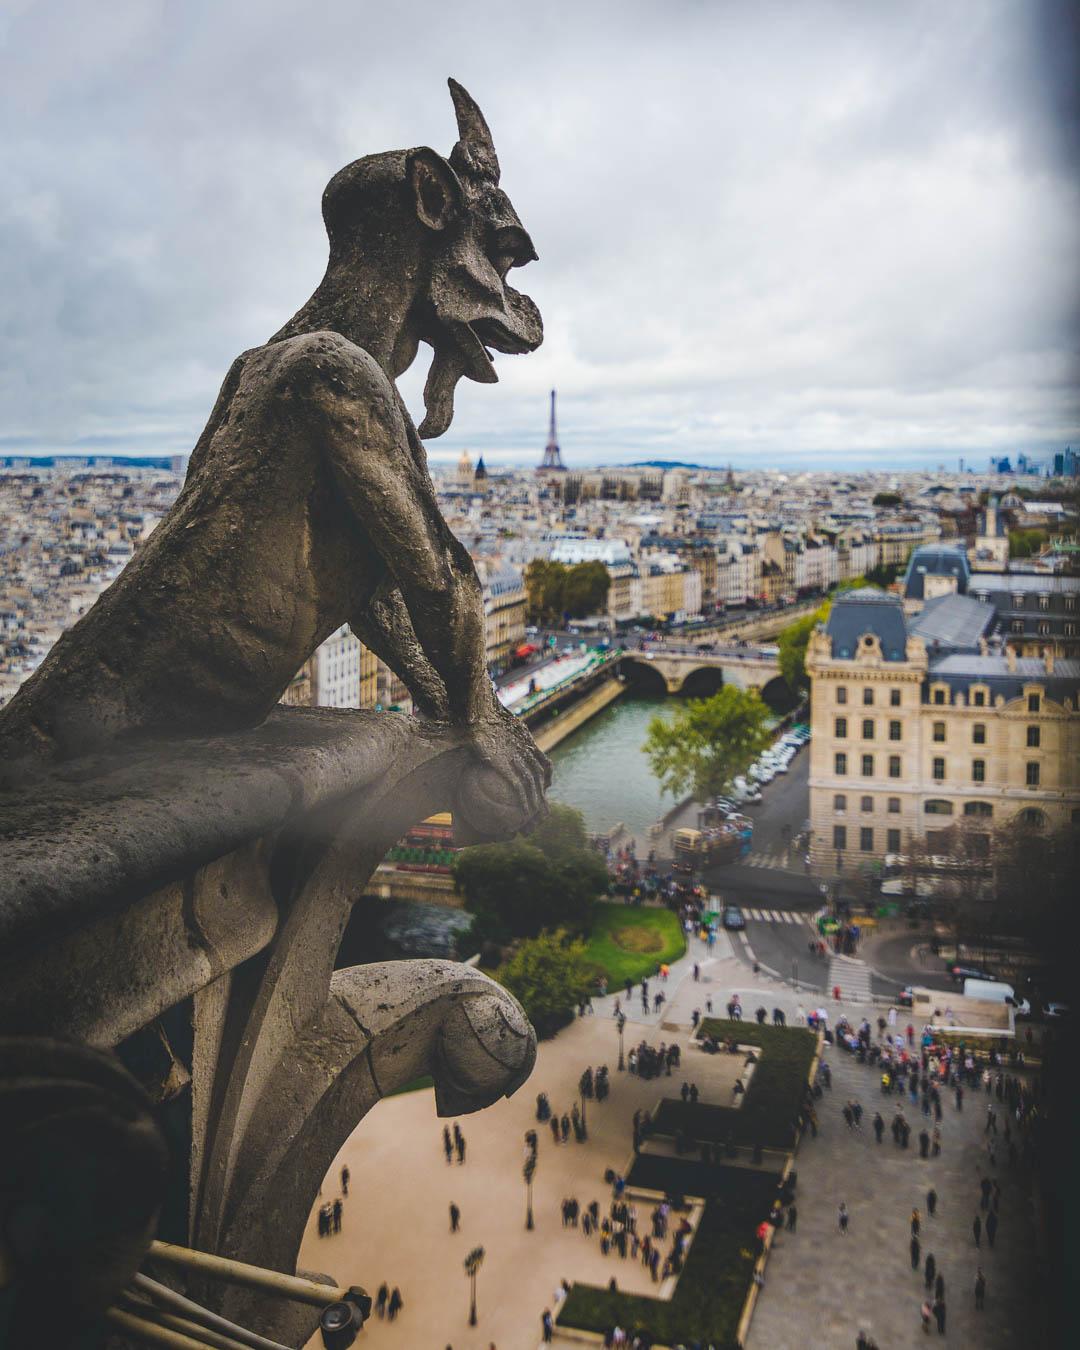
[99,832]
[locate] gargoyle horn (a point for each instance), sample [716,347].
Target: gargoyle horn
[474,155]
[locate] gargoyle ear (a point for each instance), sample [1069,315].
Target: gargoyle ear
[436,189]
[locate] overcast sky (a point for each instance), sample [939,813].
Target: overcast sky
[801,233]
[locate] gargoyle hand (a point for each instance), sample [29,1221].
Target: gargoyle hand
[501,793]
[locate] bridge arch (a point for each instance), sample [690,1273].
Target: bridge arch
[777,694]
[702,682]
[644,676]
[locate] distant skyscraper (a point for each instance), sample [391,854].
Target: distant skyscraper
[552,455]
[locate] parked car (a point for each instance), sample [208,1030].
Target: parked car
[733,917]
[962,970]
[1056,1009]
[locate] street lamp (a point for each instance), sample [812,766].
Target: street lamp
[620,1023]
[528,1171]
[472,1263]
[584,1120]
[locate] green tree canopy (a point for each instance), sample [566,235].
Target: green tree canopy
[1026,543]
[546,879]
[793,642]
[708,742]
[887,499]
[555,589]
[549,976]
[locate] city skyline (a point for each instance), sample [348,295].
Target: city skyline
[821,239]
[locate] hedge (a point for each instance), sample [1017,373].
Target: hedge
[768,1114]
[712,1288]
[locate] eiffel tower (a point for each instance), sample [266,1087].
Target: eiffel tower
[552,456]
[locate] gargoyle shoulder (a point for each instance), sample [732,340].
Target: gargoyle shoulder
[325,363]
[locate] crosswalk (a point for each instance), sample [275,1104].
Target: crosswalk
[853,977]
[778,859]
[777,916]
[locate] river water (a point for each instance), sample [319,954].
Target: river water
[602,771]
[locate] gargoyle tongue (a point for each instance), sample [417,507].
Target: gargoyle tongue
[464,356]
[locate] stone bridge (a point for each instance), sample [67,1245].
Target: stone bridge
[690,670]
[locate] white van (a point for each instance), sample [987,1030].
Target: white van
[996,991]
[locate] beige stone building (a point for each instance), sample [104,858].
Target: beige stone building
[921,722]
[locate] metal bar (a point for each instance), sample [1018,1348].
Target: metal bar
[151,1334]
[159,1317]
[186,1307]
[254,1277]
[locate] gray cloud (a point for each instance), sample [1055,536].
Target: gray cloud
[818,232]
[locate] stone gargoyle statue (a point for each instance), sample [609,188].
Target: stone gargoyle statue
[173,849]
[308,503]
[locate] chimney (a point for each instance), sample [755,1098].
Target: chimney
[984,647]
[1048,656]
[1010,657]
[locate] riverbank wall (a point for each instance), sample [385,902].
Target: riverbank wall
[567,720]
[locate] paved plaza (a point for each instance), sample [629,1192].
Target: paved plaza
[396,1226]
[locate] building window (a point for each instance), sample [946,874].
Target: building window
[841,694]
[868,698]
[978,699]
[841,728]
[868,729]
[1044,628]
[939,731]
[866,803]
[1044,602]
[894,806]
[866,839]
[978,770]
[939,696]
[1017,625]
[1034,703]
[1031,774]
[1033,735]
[978,733]
[868,766]
[1070,603]
[1070,630]
[937,807]
[839,836]
[938,771]
[840,766]
[894,766]
[895,731]
[1034,817]
[839,802]
[894,698]
[983,810]
[892,841]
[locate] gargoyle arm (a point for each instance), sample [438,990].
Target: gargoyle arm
[393,498]
[387,630]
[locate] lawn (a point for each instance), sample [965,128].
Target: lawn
[629,941]
[712,1288]
[768,1113]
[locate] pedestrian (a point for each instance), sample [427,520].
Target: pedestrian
[380,1299]
[976,1228]
[991,1228]
[338,1207]
[939,1315]
[548,1324]
[842,1218]
[555,1128]
[455,1217]
[345,1180]
[448,1144]
[929,1270]
[926,1312]
[916,1223]
[459,1140]
[395,1305]
[792,1218]
[924,1144]
[931,1201]
[914,1248]
[564,1127]
[879,1126]
[697,972]
[980,1290]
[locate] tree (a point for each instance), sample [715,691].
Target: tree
[887,499]
[549,976]
[708,742]
[555,590]
[546,879]
[1025,543]
[793,642]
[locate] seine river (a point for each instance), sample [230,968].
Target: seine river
[601,770]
